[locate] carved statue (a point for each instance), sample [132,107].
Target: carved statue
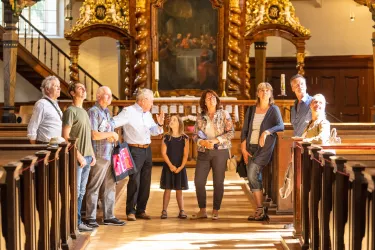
[85,15]
[288,18]
[260,16]
[112,13]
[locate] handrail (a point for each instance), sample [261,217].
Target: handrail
[59,52]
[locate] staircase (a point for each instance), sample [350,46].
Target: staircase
[38,57]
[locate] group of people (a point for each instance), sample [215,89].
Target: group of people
[213,133]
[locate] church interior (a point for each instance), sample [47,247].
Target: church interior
[178,49]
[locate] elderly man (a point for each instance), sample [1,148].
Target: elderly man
[300,113]
[138,126]
[45,123]
[76,124]
[101,176]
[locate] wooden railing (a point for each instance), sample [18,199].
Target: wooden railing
[52,56]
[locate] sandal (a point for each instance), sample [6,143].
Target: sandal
[199,215]
[260,215]
[164,214]
[182,215]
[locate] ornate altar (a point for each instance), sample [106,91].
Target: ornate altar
[181,47]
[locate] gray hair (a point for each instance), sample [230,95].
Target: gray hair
[303,79]
[47,83]
[100,91]
[144,94]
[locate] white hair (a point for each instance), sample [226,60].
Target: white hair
[47,83]
[100,91]
[144,94]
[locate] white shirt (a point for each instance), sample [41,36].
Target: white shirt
[258,119]
[138,126]
[45,123]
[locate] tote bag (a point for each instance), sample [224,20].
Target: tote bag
[122,162]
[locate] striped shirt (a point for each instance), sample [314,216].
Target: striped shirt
[258,119]
[301,115]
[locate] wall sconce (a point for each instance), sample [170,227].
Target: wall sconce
[68,11]
[352,16]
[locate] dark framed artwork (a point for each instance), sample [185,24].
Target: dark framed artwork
[188,46]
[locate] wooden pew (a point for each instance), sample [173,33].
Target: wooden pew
[52,182]
[320,231]
[348,132]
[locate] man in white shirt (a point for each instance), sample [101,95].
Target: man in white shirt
[138,126]
[45,123]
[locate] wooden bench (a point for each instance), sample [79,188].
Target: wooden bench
[43,179]
[322,185]
[348,132]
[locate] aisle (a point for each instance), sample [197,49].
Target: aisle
[231,231]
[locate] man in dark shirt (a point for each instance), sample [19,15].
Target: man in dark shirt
[300,113]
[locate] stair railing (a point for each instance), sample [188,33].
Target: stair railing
[53,57]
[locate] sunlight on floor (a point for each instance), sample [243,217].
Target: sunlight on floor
[198,241]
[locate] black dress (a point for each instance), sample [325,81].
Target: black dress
[175,153]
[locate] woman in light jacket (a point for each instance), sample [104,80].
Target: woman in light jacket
[213,134]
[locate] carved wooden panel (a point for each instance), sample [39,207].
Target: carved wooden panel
[351,90]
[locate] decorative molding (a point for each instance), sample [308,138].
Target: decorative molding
[260,45]
[111,12]
[264,12]
[301,63]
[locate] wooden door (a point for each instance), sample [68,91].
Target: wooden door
[352,95]
[325,82]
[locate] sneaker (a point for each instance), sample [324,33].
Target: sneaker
[84,228]
[92,223]
[114,222]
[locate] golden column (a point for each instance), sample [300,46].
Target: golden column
[140,67]
[233,45]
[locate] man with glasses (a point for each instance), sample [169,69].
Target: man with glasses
[45,123]
[138,126]
[300,113]
[76,124]
[101,177]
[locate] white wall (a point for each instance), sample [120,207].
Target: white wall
[332,32]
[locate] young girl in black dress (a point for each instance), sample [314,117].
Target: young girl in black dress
[175,150]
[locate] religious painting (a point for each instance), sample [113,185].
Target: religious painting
[187,35]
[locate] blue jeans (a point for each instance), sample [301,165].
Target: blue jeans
[82,178]
[254,171]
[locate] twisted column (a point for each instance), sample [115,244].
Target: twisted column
[73,66]
[301,63]
[233,45]
[247,79]
[141,46]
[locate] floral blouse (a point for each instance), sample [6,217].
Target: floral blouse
[222,125]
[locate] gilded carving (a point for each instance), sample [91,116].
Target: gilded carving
[19,5]
[262,12]
[234,49]
[301,63]
[141,4]
[234,4]
[141,49]
[112,12]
